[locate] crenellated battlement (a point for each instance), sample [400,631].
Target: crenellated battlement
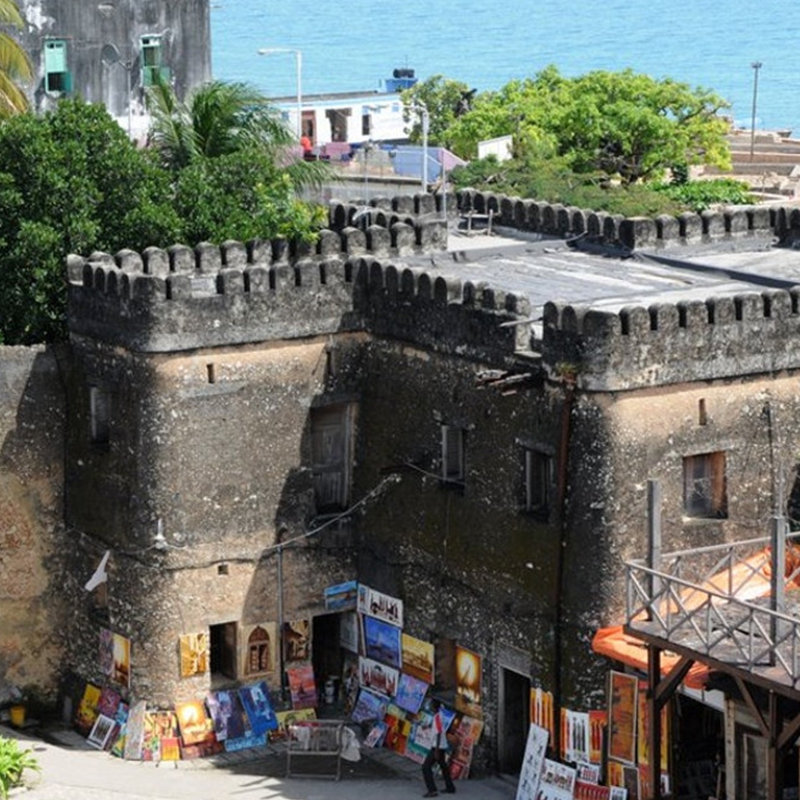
[736,226]
[723,337]
[209,296]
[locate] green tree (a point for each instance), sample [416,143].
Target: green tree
[70,182]
[620,124]
[14,63]
[443,99]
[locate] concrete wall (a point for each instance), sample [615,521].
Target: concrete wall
[184,27]
[32,539]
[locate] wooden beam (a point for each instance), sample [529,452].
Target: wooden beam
[668,686]
[654,710]
[789,733]
[751,704]
[774,755]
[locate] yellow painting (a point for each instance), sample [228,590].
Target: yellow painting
[417,658]
[194,654]
[468,681]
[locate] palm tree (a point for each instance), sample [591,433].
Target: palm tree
[220,119]
[14,63]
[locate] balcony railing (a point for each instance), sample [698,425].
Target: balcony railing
[724,612]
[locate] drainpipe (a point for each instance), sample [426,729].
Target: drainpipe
[568,382]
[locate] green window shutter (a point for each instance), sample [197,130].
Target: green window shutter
[55,56]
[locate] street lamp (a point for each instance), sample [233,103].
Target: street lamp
[267,51]
[756,65]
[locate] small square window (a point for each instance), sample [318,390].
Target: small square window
[99,415]
[452,454]
[538,481]
[705,486]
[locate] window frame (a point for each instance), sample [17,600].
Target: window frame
[99,415]
[453,454]
[538,484]
[151,55]
[705,485]
[56,81]
[326,417]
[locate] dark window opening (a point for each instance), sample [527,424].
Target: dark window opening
[705,486]
[223,651]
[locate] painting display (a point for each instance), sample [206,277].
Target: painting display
[257,705]
[382,641]
[135,732]
[292,717]
[417,657]
[622,707]
[341,597]
[259,649]
[379,605]
[101,732]
[574,735]
[86,713]
[121,669]
[557,783]
[468,681]
[378,677]
[193,654]
[369,706]
[542,710]
[235,724]
[532,763]
[297,640]
[411,693]
[302,687]
[598,721]
[194,724]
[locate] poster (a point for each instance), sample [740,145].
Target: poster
[234,722]
[121,670]
[349,631]
[532,763]
[341,597]
[292,717]
[558,781]
[622,706]
[378,677]
[542,710]
[259,649]
[379,605]
[109,701]
[467,732]
[87,712]
[369,706]
[101,732]
[382,641]
[643,730]
[302,687]
[598,720]
[297,640]
[219,718]
[417,657]
[135,732]
[257,705]
[376,735]
[468,681]
[194,724]
[574,735]
[193,654]
[410,693]
[586,790]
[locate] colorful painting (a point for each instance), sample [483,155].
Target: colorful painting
[379,605]
[232,716]
[532,763]
[106,655]
[542,710]
[468,681]
[170,749]
[574,735]
[86,714]
[598,720]
[378,677]
[218,718]
[348,631]
[417,658]
[467,733]
[302,686]
[382,641]
[342,597]
[193,654]
[259,649]
[297,640]
[101,732]
[622,706]
[586,790]
[369,706]
[193,722]
[424,734]
[643,731]
[109,702]
[376,735]
[135,732]
[293,717]
[121,669]
[589,773]
[558,781]
[256,702]
[411,693]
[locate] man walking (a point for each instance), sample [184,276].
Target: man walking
[437,754]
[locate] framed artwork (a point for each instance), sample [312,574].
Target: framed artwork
[297,640]
[468,681]
[302,686]
[382,641]
[417,658]
[378,677]
[256,702]
[410,693]
[259,649]
[121,669]
[622,708]
[193,722]
[101,732]
[193,654]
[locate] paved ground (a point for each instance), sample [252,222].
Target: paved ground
[73,771]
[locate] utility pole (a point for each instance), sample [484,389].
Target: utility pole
[756,65]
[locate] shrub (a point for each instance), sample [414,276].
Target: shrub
[13,761]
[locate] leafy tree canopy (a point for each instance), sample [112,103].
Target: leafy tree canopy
[444,100]
[621,124]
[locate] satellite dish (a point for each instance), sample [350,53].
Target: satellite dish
[109,55]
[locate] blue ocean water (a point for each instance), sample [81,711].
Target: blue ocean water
[352,46]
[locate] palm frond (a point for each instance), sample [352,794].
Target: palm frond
[9,14]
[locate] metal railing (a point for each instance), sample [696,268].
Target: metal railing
[724,611]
